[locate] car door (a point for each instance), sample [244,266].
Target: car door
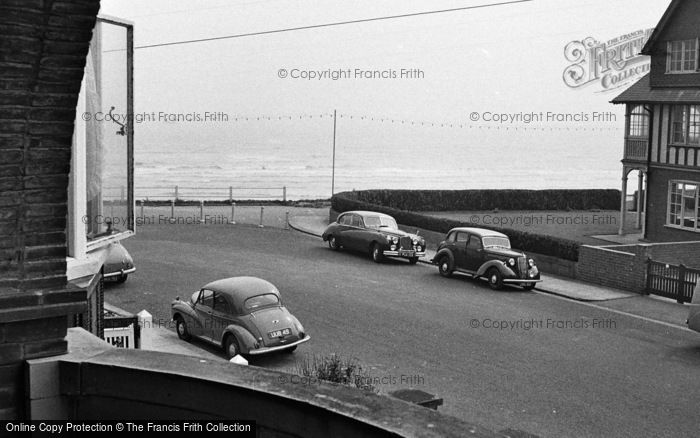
[344,222]
[353,234]
[222,315]
[204,310]
[460,249]
[474,253]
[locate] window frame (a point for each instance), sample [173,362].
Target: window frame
[682,61]
[638,121]
[690,117]
[680,214]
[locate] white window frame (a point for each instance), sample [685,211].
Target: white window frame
[685,123]
[681,213]
[670,52]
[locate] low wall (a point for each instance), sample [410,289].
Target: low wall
[676,253]
[619,266]
[97,382]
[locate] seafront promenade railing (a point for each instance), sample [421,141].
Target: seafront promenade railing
[185,193]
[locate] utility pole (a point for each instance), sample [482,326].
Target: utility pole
[333,171]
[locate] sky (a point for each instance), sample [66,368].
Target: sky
[471,64]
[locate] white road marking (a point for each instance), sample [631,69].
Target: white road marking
[619,312]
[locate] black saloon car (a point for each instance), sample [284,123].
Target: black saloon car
[483,253]
[376,234]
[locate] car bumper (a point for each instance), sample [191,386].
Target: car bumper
[520,280]
[120,272]
[265,350]
[398,254]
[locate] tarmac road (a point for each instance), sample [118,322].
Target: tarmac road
[502,359]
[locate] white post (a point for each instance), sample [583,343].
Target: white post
[623,202]
[262,209]
[172,209]
[146,326]
[201,211]
[233,213]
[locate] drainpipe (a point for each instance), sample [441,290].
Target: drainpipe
[649,109]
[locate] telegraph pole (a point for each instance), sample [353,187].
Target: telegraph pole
[333,171]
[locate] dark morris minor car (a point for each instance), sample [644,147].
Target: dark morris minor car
[374,233]
[487,254]
[243,315]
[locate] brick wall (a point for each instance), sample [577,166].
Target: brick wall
[658,180]
[621,267]
[43,45]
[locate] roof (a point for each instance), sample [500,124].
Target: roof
[646,50]
[642,92]
[481,232]
[242,287]
[366,213]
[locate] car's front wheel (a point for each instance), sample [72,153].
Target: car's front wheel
[529,286]
[181,328]
[333,243]
[413,260]
[495,278]
[444,266]
[231,346]
[377,255]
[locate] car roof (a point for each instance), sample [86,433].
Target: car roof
[481,232]
[241,288]
[365,213]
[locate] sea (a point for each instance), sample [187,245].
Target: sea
[260,158]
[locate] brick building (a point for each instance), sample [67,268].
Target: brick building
[55,169]
[662,129]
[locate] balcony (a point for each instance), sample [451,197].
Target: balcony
[636,149]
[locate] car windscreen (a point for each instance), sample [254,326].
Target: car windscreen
[380,221]
[501,242]
[260,301]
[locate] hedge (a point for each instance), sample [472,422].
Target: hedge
[538,243]
[483,200]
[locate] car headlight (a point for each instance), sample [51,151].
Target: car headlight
[393,247]
[511,262]
[415,242]
[419,248]
[531,263]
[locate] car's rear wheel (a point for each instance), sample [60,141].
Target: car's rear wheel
[377,255]
[333,243]
[181,328]
[231,347]
[444,266]
[122,278]
[291,349]
[529,286]
[413,260]
[495,278]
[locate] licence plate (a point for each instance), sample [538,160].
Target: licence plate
[406,253]
[278,333]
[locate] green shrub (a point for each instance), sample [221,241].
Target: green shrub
[336,369]
[548,245]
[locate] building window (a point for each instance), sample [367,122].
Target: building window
[685,124]
[639,122]
[682,56]
[683,205]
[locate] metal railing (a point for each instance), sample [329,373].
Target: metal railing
[185,193]
[671,281]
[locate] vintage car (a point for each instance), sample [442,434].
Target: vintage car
[374,233]
[118,264]
[243,315]
[487,254]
